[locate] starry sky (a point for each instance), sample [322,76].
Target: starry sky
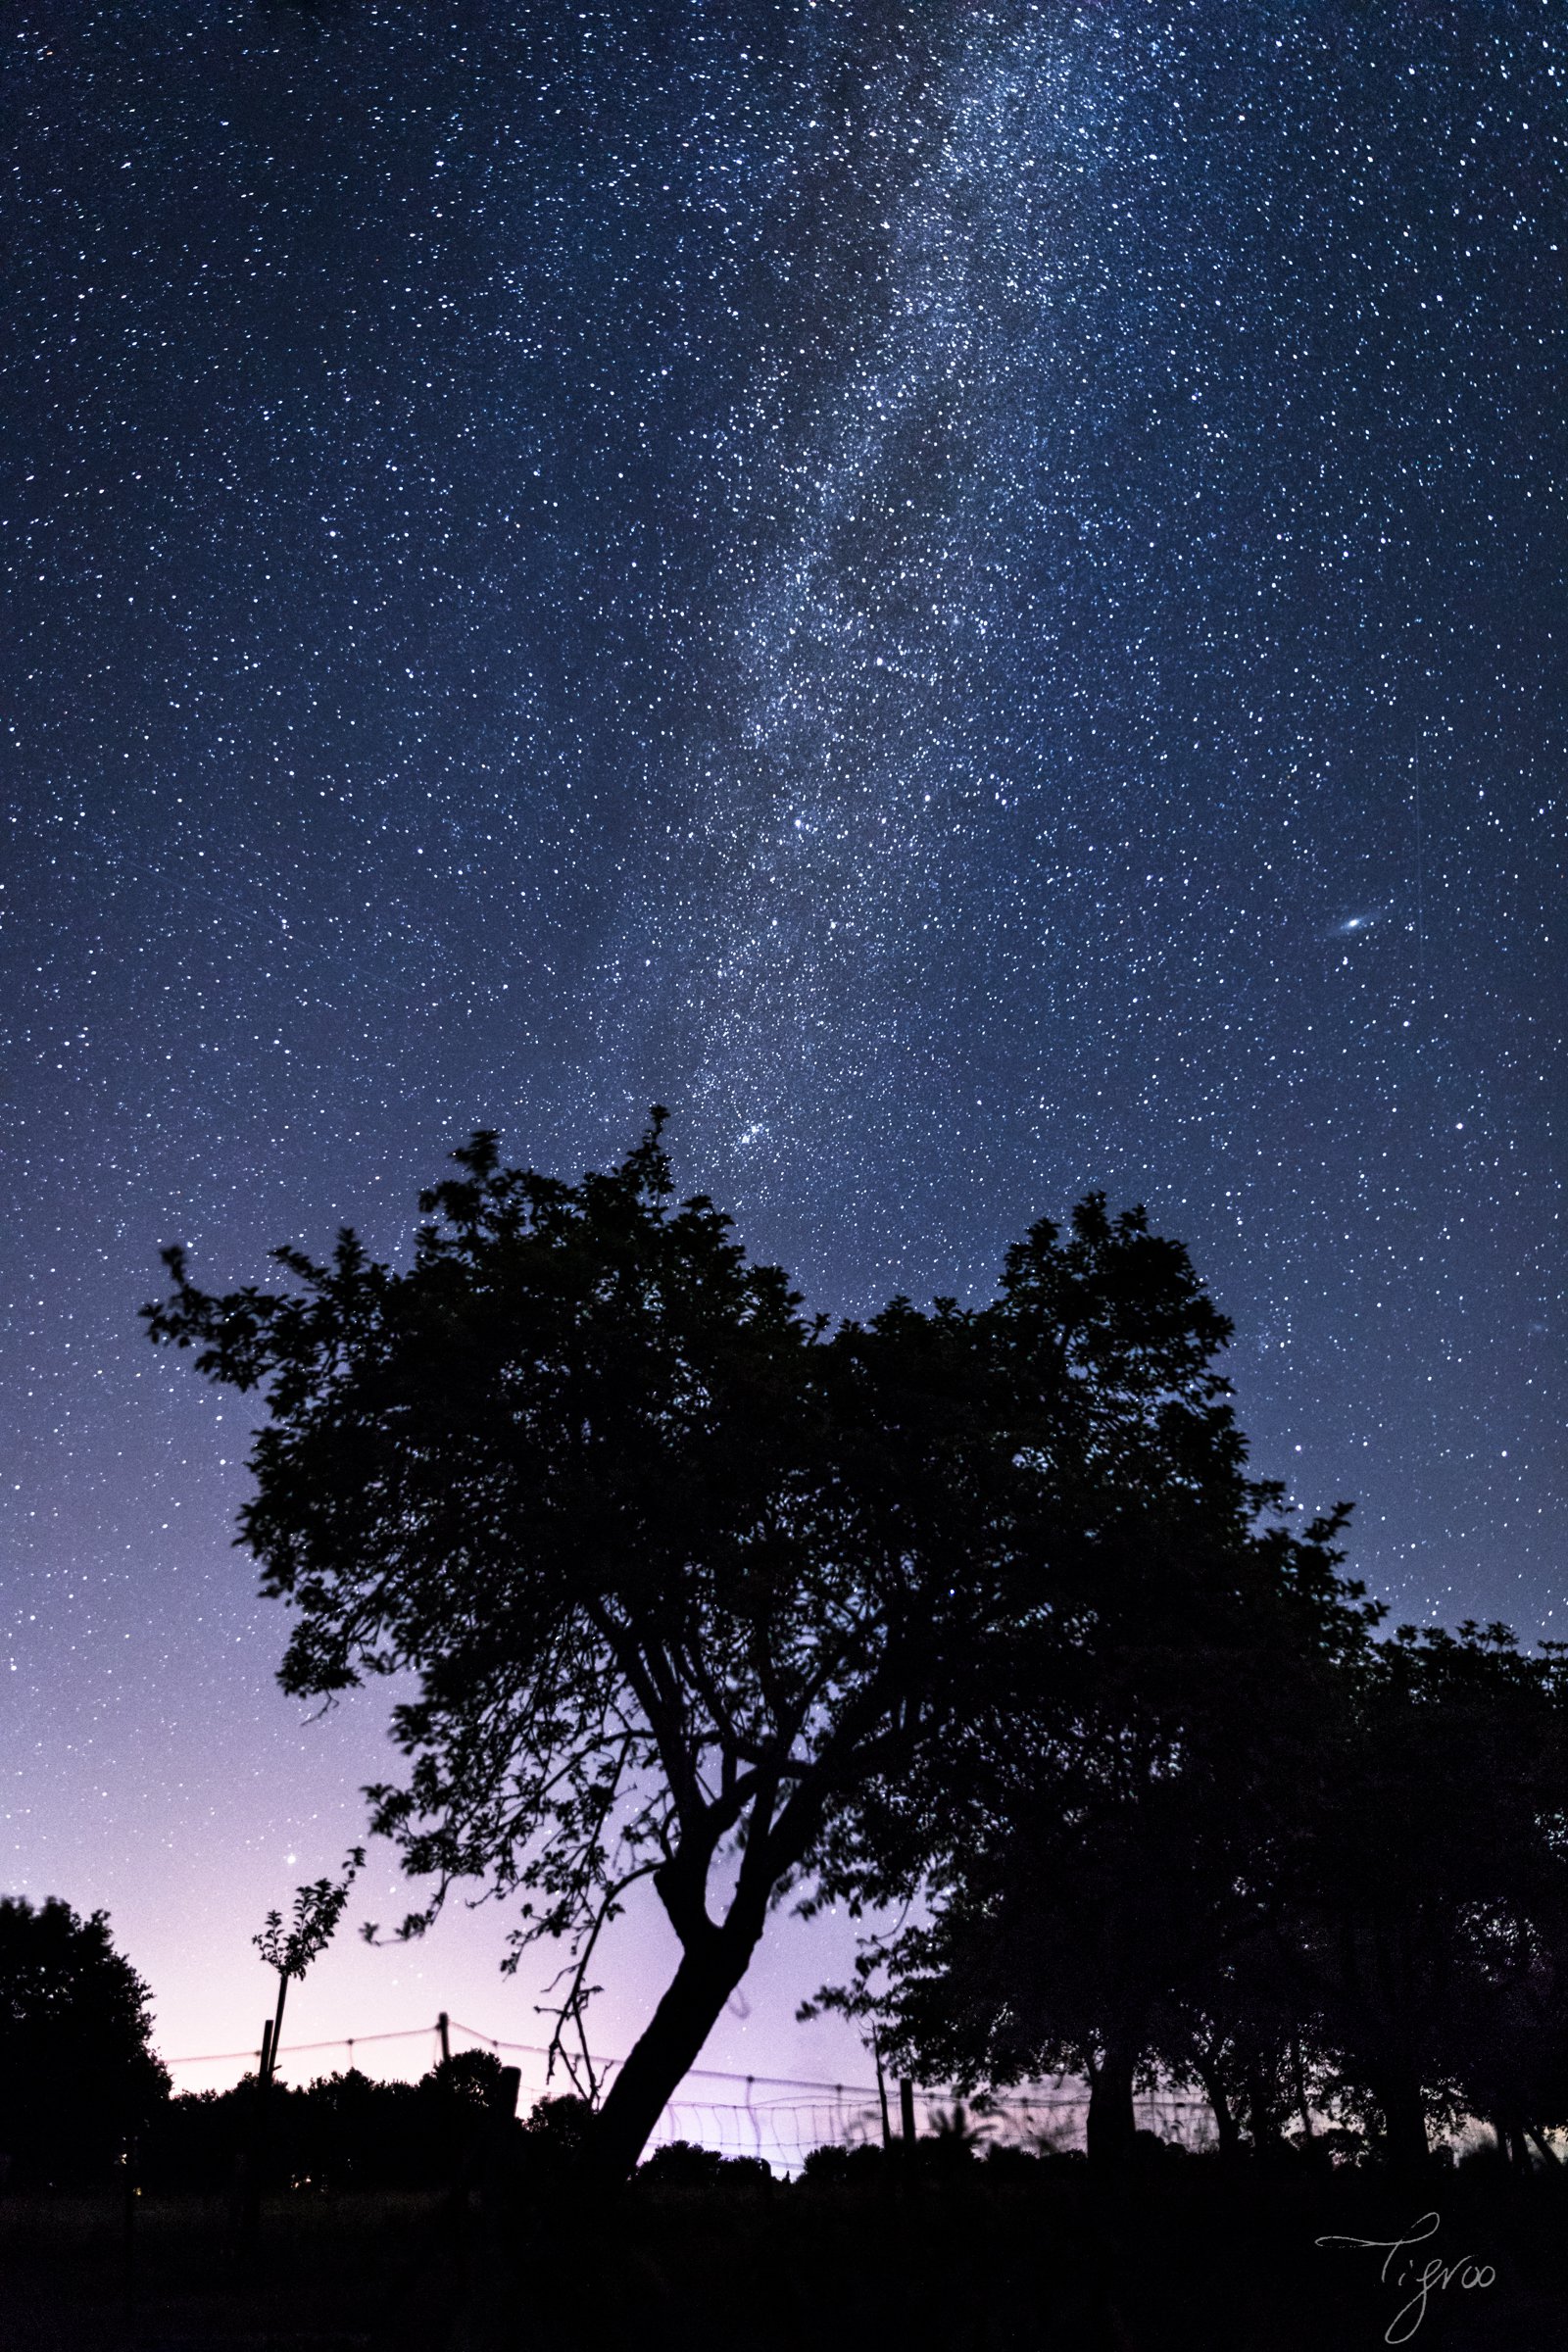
[970,596]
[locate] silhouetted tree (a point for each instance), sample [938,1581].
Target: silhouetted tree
[1314,1868]
[682,2163]
[1240,2034]
[1057,1948]
[1424,1922]
[343,2130]
[681,1573]
[1102,1837]
[76,2072]
[1104,1875]
[290,1949]
[468,2078]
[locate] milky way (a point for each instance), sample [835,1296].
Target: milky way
[971,597]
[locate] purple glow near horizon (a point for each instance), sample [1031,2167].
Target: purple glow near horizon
[970,598]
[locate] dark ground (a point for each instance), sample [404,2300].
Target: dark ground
[971,2264]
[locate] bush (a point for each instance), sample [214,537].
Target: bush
[345,2130]
[833,2166]
[682,2163]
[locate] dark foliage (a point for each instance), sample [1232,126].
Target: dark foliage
[343,2131]
[1345,1890]
[1187,2257]
[76,2074]
[1423,1928]
[682,2163]
[974,1606]
[347,2133]
[682,1574]
[831,2166]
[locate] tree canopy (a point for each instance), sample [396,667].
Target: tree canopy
[76,2073]
[1338,1885]
[1424,1923]
[698,1588]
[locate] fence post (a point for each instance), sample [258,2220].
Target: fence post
[443,2029]
[277,2025]
[881,2091]
[255,2155]
[906,2111]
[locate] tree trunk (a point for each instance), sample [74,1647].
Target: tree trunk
[1110,2128]
[1299,2085]
[1227,2129]
[1405,2118]
[710,1967]
[1263,2111]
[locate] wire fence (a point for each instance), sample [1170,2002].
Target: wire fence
[784,2131]
[782,2118]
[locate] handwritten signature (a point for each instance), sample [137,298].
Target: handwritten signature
[1432,2277]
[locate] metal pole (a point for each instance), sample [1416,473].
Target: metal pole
[906,2111]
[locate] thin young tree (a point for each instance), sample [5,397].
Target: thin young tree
[290,1949]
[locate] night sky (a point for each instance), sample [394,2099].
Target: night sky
[972,597]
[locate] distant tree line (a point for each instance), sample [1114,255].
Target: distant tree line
[454,2128]
[975,1607]
[343,2131]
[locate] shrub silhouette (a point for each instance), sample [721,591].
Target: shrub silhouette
[682,2163]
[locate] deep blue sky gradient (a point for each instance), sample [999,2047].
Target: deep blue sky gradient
[971,597]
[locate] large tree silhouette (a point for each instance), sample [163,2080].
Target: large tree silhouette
[1424,1927]
[693,1587]
[1104,1853]
[1277,1856]
[76,2073]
